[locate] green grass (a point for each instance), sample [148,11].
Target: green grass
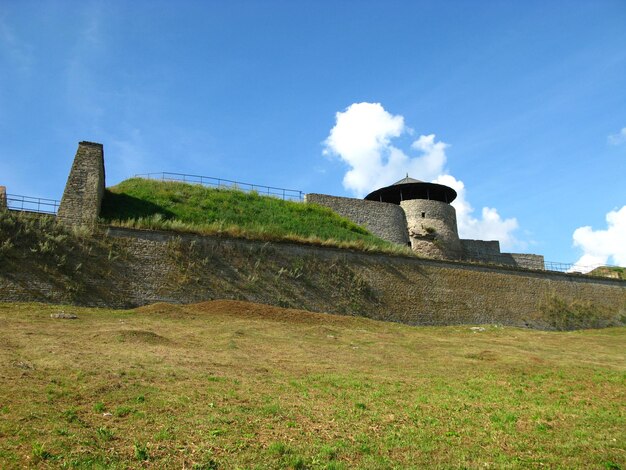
[143,203]
[235,385]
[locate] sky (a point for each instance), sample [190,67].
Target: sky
[519,106]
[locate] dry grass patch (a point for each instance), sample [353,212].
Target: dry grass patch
[228,384]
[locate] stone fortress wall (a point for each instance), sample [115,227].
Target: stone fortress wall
[488,251]
[481,248]
[430,227]
[160,266]
[153,266]
[382,219]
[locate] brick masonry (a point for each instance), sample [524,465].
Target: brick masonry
[85,185]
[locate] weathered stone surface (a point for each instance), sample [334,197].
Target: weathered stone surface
[480,250]
[85,185]
[489,252]
[384,220]
[428,226]
[155,266]
[432,228]
[527,260]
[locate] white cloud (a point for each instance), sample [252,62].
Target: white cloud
[619,138]
[490,226]
[362,138]
[602,246]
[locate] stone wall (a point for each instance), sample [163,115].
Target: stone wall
[85,185]
[480,250]
[527,260]
[428,226]
[432,228]
[489,252]
[384,220]
[143,267]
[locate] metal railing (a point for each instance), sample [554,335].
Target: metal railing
[282,193]
[16,202]
[574,268]
[565,267]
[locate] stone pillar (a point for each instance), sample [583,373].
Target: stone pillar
[85,185]
[3,197]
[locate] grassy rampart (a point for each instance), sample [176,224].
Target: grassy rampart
[143,203]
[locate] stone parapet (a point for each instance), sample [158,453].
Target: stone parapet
[527,260]
[480,250]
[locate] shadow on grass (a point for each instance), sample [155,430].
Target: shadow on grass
[122,207]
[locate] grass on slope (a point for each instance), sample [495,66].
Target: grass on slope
[142,203]
[233,385]
[610,271]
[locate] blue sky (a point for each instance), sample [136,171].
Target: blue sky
[526,99]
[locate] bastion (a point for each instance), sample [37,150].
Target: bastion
[420,214]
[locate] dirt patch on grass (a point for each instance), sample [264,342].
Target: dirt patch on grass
[164,309]
[141,336]
[268,312]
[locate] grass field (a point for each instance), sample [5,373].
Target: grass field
[228,384]
[166,205]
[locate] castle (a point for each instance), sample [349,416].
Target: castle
[409,212]
[419,214]
[441,287]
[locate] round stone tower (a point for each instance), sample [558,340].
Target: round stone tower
[431,220]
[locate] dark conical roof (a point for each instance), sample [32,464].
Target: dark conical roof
[406,180]
[410,188]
